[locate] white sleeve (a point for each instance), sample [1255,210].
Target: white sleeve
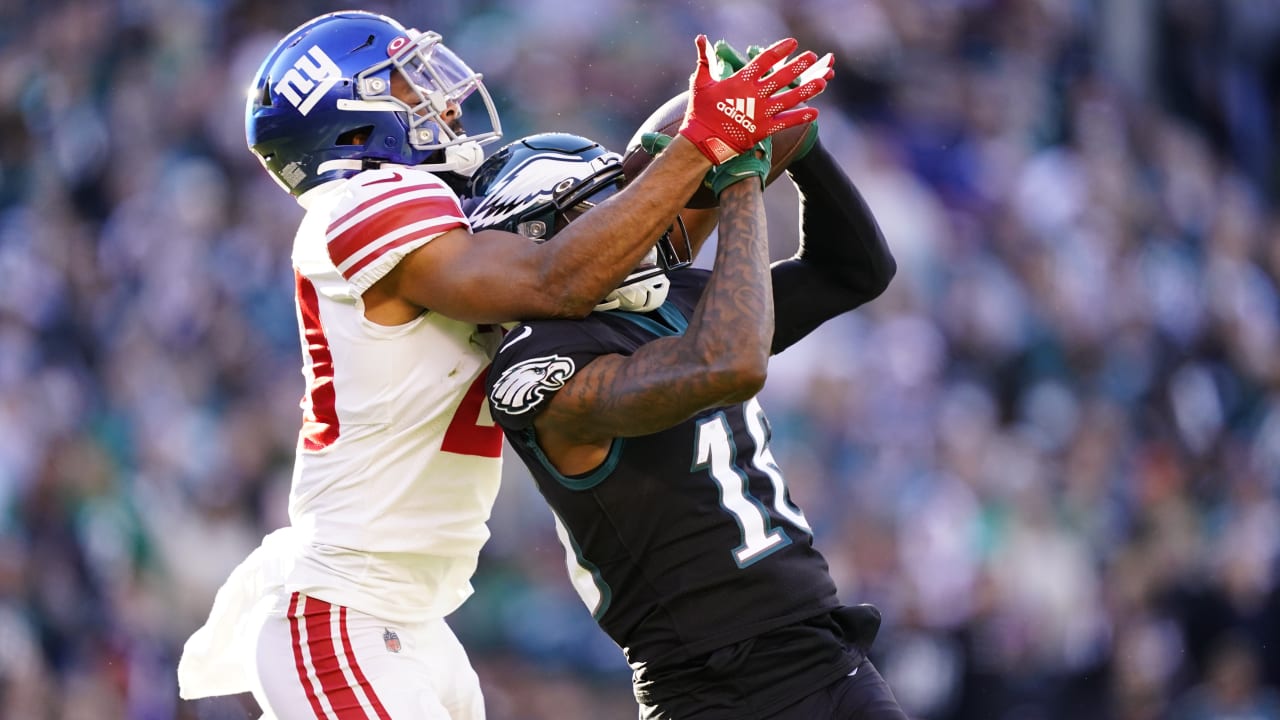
[385,215]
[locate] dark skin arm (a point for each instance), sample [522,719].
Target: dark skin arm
[843,259]
[722,358]
[495,276]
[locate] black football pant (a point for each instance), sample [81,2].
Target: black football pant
[864,695]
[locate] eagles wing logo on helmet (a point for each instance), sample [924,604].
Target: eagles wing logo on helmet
[523,385]
[534,181]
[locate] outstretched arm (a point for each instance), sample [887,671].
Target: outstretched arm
[496,276]
[843,260]
[722,358]
[493,276]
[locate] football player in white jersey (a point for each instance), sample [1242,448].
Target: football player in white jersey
[341,615]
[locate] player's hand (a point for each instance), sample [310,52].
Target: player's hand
[731,61]
[754,163]
[725,117]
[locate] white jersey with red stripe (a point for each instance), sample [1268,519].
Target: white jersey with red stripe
[396,472]
[398,461]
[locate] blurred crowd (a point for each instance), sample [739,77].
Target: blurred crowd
[1050,453]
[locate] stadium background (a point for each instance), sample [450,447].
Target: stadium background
[1050,453]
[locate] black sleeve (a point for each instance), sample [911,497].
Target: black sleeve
[534,361]
[843,260]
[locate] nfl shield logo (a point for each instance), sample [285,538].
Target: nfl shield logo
[391,640]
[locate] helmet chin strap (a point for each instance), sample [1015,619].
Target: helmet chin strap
[643,296]
[462,158]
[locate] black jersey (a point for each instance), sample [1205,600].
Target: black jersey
[686,541]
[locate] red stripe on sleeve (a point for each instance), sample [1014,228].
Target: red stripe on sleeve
[355,668]
[372,229]
[372,257]
[298,660]
[320,427]
[385,196]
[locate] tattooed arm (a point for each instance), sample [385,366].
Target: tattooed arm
[721,359]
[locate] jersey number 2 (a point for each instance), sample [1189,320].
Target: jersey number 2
[472,430]
[714,450]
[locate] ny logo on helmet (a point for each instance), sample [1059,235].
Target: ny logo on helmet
[304,92]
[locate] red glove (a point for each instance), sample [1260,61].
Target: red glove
[726,117]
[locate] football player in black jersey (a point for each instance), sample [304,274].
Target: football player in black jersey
[641,427]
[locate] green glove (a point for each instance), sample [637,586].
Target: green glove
[654,142]
[731,61]
[755,162]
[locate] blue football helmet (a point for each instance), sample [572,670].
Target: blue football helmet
[328,86]
[538,184]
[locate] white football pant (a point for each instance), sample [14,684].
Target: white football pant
[316,661]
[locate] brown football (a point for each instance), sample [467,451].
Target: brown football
[667,118]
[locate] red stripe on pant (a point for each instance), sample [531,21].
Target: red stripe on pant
[323,652]
[357,672]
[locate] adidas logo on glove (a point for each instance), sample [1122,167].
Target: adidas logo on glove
[740,110]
